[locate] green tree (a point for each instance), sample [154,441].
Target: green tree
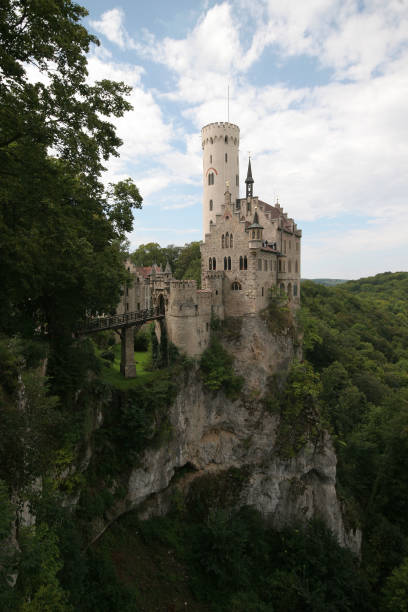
[61,230]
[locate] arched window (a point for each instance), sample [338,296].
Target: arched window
[223,241]
[280,265]
[245,263]
[231,241]
[211,178]
[241,263]
[210,264]
[225,263]
[253,233]
[295,290]
[296,267]
[229,263]
[211,204]
[289,266]
[227,240]
[214,263]
[236,286]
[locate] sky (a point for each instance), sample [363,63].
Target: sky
[319,89]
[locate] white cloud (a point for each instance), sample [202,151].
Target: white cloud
[111,26]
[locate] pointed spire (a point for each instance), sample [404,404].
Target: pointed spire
[167,269]
[255,223]
[249,181]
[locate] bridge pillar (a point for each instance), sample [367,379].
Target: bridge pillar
[127,361]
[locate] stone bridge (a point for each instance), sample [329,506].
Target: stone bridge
[125,324]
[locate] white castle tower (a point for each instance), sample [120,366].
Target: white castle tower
[220,143]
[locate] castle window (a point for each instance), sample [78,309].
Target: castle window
[289,266]
[295,290]
[290,245]
[214,263]
[237,180]
[211,178]
[226,139]
[274,265]
[248,207]
[211,204]
[245,263]
[296,266]
[262,291]
[265,265]
[297,246]
[206,327]
[270,265]
[260,264]
[210,159]
[127,306]
[241,263]
[227,240]
[284,246]
[138,305]
[127,290]
[222,241]
[225,263]
[280,265]
[226,157]
[231,241]
[289,291]
[229,263]
[236,286]
[282,289]
[210,264]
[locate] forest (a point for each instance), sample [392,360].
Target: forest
[62,248]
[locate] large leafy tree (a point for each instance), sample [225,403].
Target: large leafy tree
[61,229]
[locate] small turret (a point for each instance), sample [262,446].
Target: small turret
[255,233]
[249,181]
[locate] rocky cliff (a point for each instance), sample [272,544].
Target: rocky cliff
[211,433]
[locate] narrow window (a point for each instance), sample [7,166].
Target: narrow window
[258,234]
[274,265]
[265,265]
[127,306]
[289,266]
[245,263]
[284,246]
[210,159]
[262,291]
[211,204]
[296,266]
[227,240]
[223,241]
[226,157]
[231,241]
[226,139]
[236,180]
[295,290]
[225,263]
[210,264]
[127,290]
[214,263]
[260,264]
[229,263]
[280,265]
[206,327]
[241,263]
[297,246]
[282,289]
[248,207]
[138,305]
[270,265]
[290,245]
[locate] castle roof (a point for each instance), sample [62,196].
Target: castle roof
[255,223]
[146,271]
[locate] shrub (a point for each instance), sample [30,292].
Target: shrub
[217,369]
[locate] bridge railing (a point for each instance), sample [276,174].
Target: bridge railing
[92,324]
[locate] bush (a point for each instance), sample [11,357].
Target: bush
[142,341]
[217,369]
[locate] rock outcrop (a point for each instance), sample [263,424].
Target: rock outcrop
[211,434]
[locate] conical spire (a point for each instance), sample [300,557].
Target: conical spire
[249,181]
[255,223]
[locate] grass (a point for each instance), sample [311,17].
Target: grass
[111,370]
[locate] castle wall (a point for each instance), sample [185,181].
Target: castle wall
[188,317]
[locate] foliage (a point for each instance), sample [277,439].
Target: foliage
[61,229]
[185,262]
[278,315]
[142,341]
[216,365]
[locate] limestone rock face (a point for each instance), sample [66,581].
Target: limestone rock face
[211,433]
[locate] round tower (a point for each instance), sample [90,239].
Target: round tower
[220,143]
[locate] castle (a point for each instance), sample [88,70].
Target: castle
[249,249]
